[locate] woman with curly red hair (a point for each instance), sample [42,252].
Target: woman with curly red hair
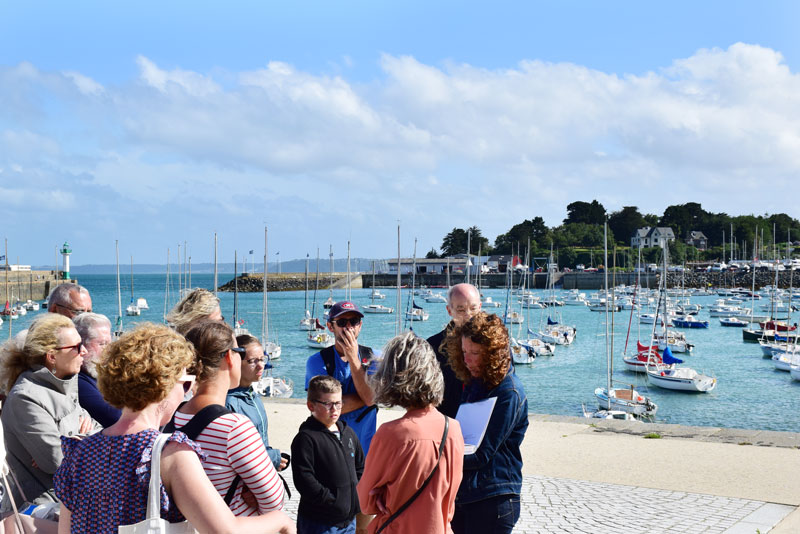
[488,499]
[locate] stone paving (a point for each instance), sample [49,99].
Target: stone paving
[565,506]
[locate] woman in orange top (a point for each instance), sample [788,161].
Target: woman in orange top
[405,452]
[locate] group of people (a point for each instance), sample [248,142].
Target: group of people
[82,413]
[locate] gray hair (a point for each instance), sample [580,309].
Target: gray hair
[88,323]
[409,374]
[62,294]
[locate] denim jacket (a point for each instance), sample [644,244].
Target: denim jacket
[247,402]
[496,467]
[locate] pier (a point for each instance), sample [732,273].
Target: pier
[28,285]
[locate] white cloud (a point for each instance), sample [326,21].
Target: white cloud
[436,146]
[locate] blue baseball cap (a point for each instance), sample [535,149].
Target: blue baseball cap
[340,308]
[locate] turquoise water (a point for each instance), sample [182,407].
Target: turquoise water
[750,393]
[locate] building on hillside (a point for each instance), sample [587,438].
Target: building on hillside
[698,240]
[499,263]
[648,237]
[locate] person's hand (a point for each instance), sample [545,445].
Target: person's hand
[86,425]
[289,528]
[350,348]
[379,503]
[284,464]
[248,497]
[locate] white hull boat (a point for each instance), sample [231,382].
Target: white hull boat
[537,347]
[627,400]
[417,314]
[680,379]
[377,308]
[320,340]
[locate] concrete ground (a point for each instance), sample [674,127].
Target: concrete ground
[620,477]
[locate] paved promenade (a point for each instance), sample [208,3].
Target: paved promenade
[608,478]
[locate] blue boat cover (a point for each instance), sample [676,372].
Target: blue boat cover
[414,305]
[668,358]
[550,321]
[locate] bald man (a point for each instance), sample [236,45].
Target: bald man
[463,301]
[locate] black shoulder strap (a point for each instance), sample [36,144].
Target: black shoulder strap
[196,425]
[424,484]
[328,354]
[365,353]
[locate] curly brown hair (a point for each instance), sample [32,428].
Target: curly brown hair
[143,366]
[489,332]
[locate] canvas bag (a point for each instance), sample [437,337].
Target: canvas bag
[153,524]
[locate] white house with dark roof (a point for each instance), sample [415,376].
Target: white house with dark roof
[652,236]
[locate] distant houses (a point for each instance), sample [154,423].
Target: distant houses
[648,237]
[698,240]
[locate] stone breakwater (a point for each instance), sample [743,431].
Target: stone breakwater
[729,279]
[254,282]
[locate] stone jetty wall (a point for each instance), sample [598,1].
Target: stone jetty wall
[25,285]
[254,282]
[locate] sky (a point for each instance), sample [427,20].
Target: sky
[161,123]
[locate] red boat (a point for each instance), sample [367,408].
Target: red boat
[780,326]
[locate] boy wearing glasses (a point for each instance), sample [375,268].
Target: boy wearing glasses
[328,462]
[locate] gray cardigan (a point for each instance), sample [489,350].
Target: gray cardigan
[39,409]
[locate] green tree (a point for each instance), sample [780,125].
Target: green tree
[625,222]
[534,229]
[455,242]
[585,212]
[432,254]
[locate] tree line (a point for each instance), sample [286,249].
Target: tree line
[580,236]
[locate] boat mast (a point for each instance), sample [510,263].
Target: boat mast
[215,263]
[316,287]
[131,279]
[7,299]
[235,289]
[119,292]
[399,290]
[306,296]
[605,281]
[330,286]
[348,270]
[264,303]
[166,289]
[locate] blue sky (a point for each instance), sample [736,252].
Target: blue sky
[156,123]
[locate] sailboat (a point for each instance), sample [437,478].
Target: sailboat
[525,351]
[415,312]
[667,374]
[330,302]
[319,338]
[132,308]
[624,399]
[238,324]
[272,349]
[118,328]
[307,322]
[376,308]
[511,316]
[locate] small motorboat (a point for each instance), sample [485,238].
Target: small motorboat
[733,321]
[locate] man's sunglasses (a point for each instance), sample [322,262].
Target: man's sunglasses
[354,321]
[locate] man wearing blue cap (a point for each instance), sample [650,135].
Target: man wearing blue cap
[347,361]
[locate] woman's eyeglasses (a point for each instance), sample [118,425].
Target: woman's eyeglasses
[254,361]
[354,321]
[328,405]
[76,348]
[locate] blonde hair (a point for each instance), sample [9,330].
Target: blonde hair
[409,374]
[143,366]
[42,338]
[198,304]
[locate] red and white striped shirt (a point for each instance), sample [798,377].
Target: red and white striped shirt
[234,446]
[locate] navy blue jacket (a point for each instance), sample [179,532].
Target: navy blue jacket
[93,402]
[496,467]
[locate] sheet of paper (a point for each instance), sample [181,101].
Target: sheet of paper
[474,418]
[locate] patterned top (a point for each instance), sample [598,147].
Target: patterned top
[103,480]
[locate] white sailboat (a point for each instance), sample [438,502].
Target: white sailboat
[319,338]
[610,398]
[272,349]
[415,312]
[372,307]
[132,309]
[307,322]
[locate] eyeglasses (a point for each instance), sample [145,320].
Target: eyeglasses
[328,405]
[354,321]
[254,361]
[187,381]
[75,311]
[77,347]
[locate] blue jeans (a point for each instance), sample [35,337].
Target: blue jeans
[495,515]
[306,525]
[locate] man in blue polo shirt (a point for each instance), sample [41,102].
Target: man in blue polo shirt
[347,361]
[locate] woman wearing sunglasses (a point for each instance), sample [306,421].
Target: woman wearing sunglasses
[103,481]
[42,404]
[237,460]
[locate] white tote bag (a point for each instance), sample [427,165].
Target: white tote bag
[153,524]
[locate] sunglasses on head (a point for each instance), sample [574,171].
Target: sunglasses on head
[354,321]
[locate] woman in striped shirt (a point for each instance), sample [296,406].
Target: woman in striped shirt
[235,451]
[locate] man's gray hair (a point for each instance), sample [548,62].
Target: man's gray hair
[62,294]
[88,323]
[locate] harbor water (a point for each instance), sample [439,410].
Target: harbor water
[750,392]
